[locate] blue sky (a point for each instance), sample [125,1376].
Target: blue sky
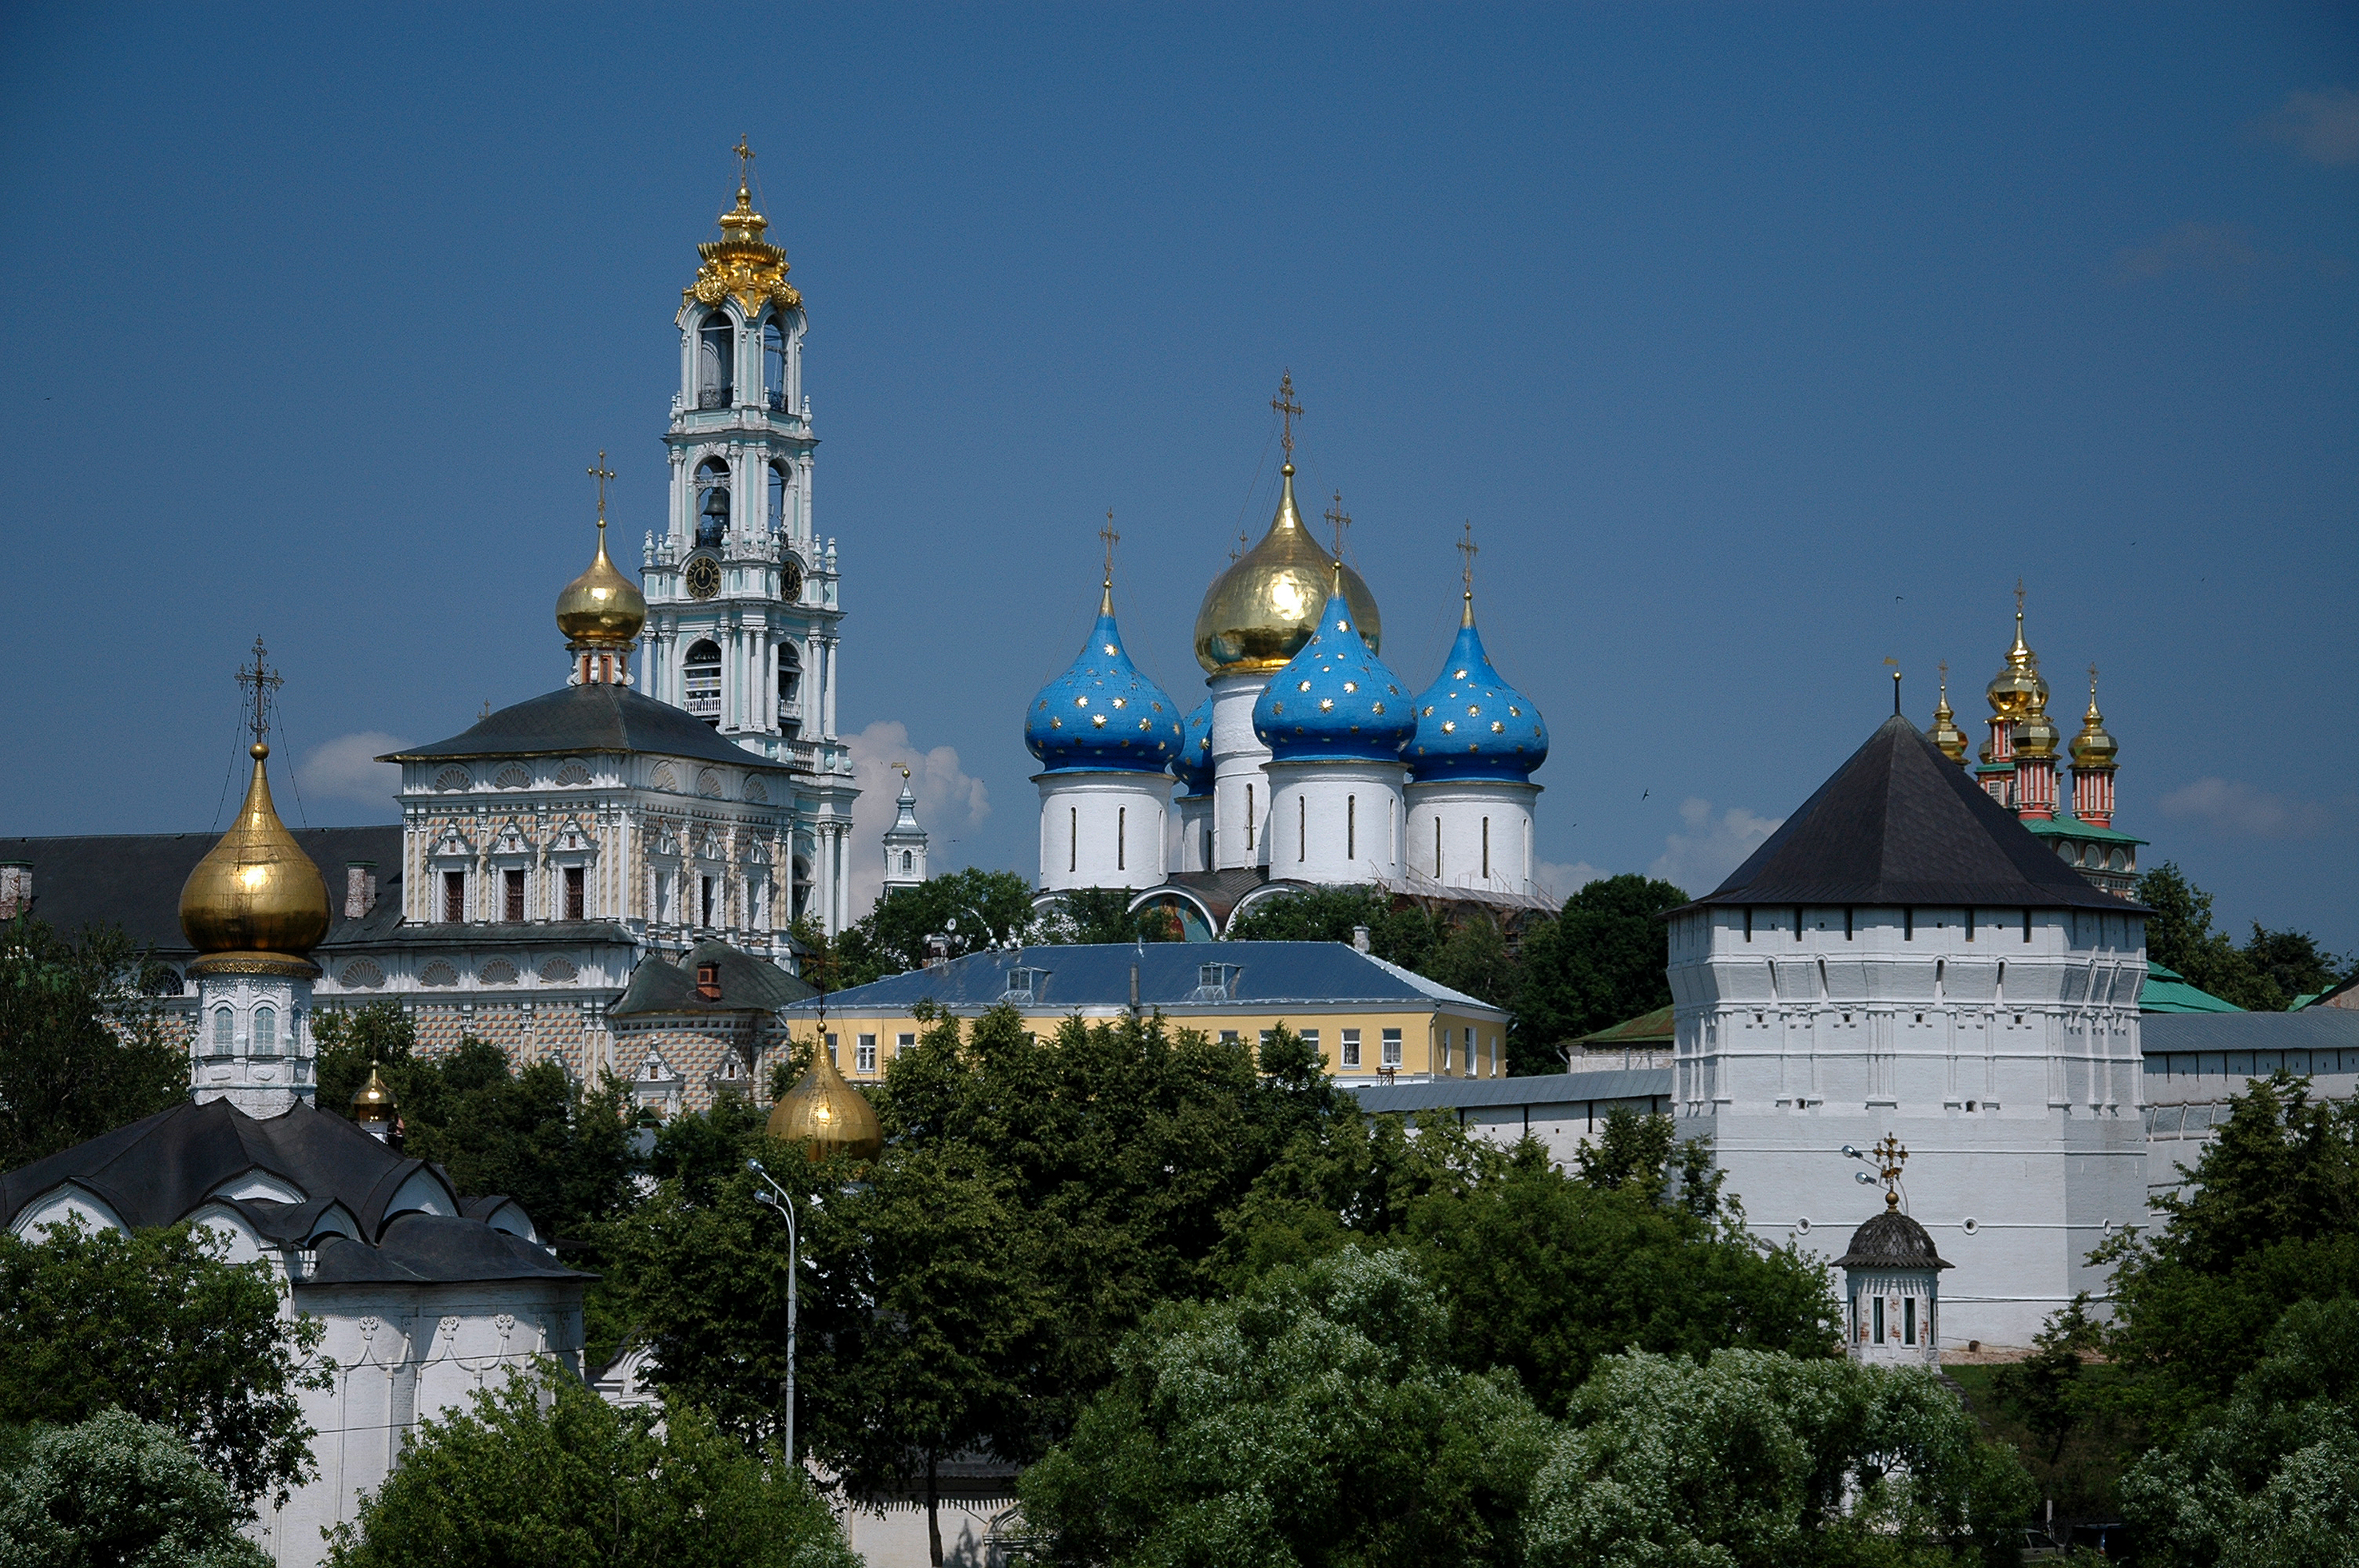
[1759,344]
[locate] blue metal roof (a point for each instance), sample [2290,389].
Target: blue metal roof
[1265,975]
[1102,715]
[1336,697]
[1471,723]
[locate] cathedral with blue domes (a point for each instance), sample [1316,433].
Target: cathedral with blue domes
[1308,763]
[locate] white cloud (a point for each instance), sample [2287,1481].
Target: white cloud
[1561,882]
[1701,858]
[949,800]
[2232,806]
[346,768]
[2322,126]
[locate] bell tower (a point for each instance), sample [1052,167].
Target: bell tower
[742,609]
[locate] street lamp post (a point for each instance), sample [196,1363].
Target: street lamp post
[778,1199]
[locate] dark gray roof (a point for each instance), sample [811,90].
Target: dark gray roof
[1901,823]
[2312,1029]
[134,880]
[1891,1240]
[159,1171]
[747,985]
[1269,975]
[1538,1089]
[589,718]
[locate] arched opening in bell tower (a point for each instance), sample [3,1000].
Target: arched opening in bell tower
[781,520]
[712,503]
[774,364]
[701,672]
[716,344]
[790,688]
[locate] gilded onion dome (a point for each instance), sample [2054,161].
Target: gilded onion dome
[1471,723]
[2017,687]
[1946,732]
[601,608]
[255,904]
[1336,697]
[827,1115]
[1102,715]
[2093,749]
[1259,613]
[1193,766]
[740,264]
[373,1102]
[2035,734]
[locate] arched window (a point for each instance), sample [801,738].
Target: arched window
[265,1031]
[780,520]
[773,365]
[790,687]
[701,670]
[909,863]
[716,344]
[712,503]
[224,1032]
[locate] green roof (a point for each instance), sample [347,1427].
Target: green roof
[1648,1029]
[2073,827]
[2166,991]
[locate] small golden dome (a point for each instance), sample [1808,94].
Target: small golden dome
[827,1115]
[601,608]
[255,903]
[1259,613]
[1946,732]
[2093,749]
[2017,687]
[373,1102]
[2035,734]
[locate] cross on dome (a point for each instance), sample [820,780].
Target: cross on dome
[259,681]
[1288,411]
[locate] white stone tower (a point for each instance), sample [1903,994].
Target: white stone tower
[743,604]
[905,843]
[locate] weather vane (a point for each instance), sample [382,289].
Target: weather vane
[1288,411]
[1338,520]
[601,473]
[260,681]
[1890,1156]
[1110,538]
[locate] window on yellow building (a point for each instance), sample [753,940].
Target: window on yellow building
[1351,1048]
[864,1057]
[1392,1048]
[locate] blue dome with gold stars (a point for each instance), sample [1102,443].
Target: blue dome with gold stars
[1102,715]
[1336,697]
[1472,724]
[1193,766]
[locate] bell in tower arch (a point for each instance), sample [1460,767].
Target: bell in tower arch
[713,521]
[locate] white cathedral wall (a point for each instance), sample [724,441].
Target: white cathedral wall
[1471,833]
[1191,845]
[2009,1068]
[1335,822]
[1102,830]
[1240,792]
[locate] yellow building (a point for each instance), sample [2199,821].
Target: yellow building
[1369,1020]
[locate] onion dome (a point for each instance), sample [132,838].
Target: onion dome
[1945,732]
[1336,697]
[1472,724]
[255,904]
[1102,715]
[1259,613]
[601,608]
[1193,765]
[2017,687]
[2034,733]
[2093,749]
[1891,1240]
[372,1103]
[827,1115]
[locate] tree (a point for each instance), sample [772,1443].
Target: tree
[563,1152]
[541,1472]
[2263,976]
[971,910]
[117,1491]
[84,1048]
[1316,1420]
[1104,915]
[2276,1479]
[2294,963]
[1603,959]
[1758,1459]
[1404,935]
[159,1323]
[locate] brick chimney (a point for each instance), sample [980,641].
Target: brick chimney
[15,888]
[360,887]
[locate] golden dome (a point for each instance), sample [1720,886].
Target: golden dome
[373,1102]
[1259,613]
[2035,734]
[827,1115]
[601,608]
[1946,732]
[2018,689]
[2093,749]
[255,904]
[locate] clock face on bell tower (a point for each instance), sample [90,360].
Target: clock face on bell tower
[704,578]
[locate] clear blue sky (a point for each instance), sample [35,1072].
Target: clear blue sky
[1759,343]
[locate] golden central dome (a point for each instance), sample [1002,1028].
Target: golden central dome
[255,902]
[2018,689]
[827,1115]
[601,608]
[1259,613]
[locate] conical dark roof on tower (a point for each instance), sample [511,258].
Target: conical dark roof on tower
[1901,823]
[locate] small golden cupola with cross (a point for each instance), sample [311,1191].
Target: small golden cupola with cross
[601,611]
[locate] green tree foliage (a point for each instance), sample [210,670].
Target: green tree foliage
[1603,958]
[541,1472]
[2263,976]
[2044,1390]
[562,1152]
[115,1492]
[972,909]
[1104,915]
[158,1324]
[1405,935]
[2273,1481]
[1758,1459]
[1316,1420]
[83,1048]
[2271,1218]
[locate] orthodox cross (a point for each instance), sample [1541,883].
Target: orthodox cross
[1467,550]
[2018,598]
[1238,553]
[601,473]
[2093,684]
[1112,538]
[1288,410]
[259,681]
[745,159]
[1944,667]
[1890,1156]
[1338,520]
